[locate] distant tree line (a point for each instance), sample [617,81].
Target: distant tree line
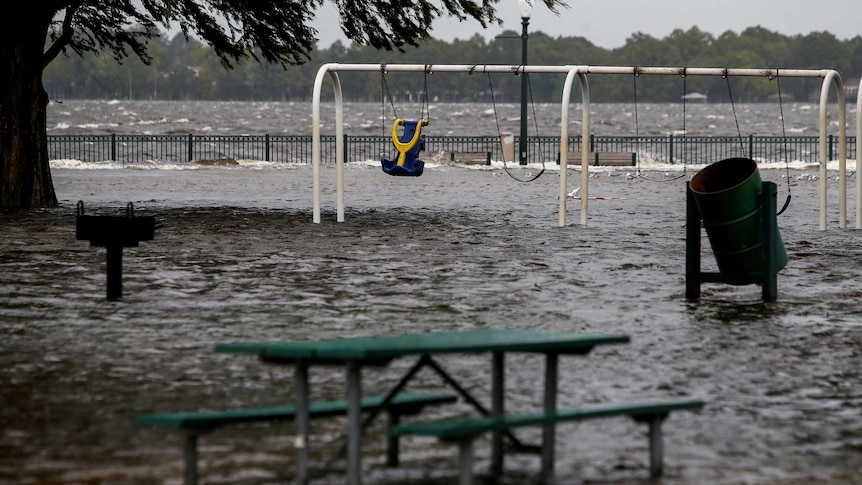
[189,70]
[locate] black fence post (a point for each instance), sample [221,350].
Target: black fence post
[346,148]
[266,147]
[670,148]
[190,151]
[114,147]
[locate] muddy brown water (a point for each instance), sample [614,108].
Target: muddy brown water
[236,258]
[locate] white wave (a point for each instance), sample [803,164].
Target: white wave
[112,165]
[164,165]
[153,122]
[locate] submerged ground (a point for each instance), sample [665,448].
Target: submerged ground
[237,258]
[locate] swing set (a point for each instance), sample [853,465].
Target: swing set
[410,142]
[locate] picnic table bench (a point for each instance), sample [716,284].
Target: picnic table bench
[471,158]
[194,424]
[616,159]
[465,430]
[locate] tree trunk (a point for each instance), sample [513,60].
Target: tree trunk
[25,174]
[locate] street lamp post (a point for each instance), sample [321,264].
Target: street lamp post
[526,10]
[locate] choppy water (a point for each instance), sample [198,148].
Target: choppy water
[236,258]
[233,118]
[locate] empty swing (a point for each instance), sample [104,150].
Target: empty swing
[638,173]
[410,142]
[500,134]
[745,153]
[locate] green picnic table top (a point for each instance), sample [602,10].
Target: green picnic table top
[382,348]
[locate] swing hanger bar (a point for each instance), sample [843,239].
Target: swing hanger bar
[582,69]
[706,71]
[485,68]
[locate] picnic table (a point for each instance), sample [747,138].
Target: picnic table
[355,353]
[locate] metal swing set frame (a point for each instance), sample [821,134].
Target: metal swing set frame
[830,78]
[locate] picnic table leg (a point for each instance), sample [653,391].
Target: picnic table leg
[550,405]
[301,421]
[392,443]
[191,457]
[656,447]
[354,426]
[465,461]
[497,409]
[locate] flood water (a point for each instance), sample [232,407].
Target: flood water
[236,258]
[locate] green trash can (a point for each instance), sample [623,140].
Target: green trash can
[727,194]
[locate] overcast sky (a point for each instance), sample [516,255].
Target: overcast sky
[608,23]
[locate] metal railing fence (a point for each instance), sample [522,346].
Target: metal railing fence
[297,148]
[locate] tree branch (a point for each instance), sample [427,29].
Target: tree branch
[65,36]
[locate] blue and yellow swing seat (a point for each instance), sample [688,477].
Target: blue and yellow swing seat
[409,144]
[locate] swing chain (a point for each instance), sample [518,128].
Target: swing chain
[500,136]
[536,121]
[425,110]
[784,139]
[637,72]
[384,95]
[637,124]
[726,77]
[388,95]
[684,75]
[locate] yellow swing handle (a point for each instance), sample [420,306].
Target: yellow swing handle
[403,148]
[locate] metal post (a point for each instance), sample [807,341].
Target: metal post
[190,448]
[550,406]
[465,461]
[522,143]
[301,421]
[670,149]
[692,246]
[354,426]
[656,448]
[769,229]
[498,390]
[115,271]
[266,147]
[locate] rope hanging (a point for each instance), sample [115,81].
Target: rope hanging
[638,135]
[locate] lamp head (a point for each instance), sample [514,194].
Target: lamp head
[526,8]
